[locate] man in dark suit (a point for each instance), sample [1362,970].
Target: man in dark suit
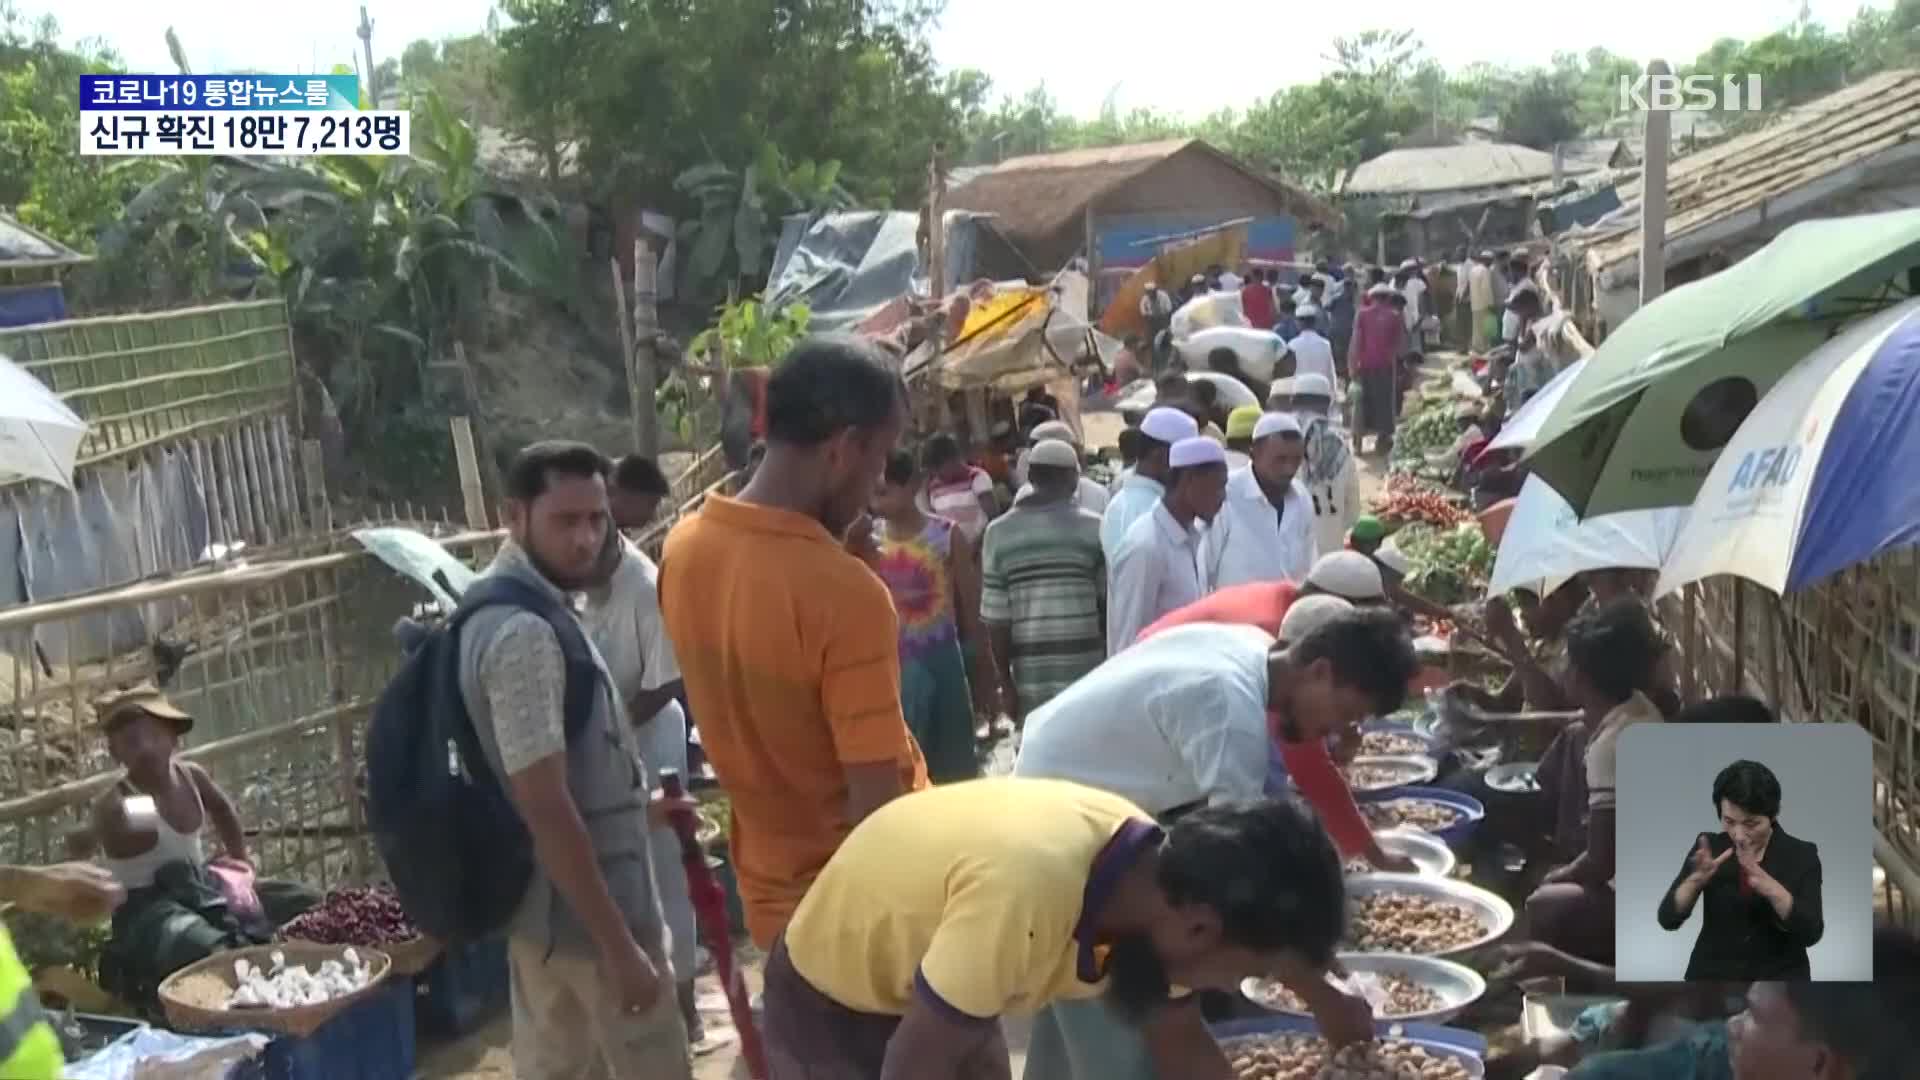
[1761,886]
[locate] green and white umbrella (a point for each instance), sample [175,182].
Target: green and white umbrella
[1647,417]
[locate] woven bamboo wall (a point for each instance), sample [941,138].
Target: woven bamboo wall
[143,380]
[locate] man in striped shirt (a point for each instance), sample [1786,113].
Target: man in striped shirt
[1042,580]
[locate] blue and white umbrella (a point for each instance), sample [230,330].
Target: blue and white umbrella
[1821,476]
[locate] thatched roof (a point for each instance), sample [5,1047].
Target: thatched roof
[23,248]
[1042,195]
[1448,168]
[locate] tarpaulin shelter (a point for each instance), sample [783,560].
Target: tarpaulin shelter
[30,267]
[849,266]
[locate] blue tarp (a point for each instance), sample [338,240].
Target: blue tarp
[24,305]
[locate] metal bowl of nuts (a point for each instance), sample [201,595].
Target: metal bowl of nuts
[1370,774]
[1302,1055]
[1401,986]
[1426,916]
[1428,852]
[1450,815]
[1394,740]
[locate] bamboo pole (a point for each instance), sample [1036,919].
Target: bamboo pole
[643,363]
[1653,195]
[937,229]
[313,468]
[471,494]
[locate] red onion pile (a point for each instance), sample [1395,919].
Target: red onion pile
[370,916]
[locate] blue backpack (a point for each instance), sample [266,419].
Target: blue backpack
[458,854]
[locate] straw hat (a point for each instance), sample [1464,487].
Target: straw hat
[120,706]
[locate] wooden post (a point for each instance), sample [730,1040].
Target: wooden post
[487,464]
[1653,195]
[365,33]
[642,375]
[313,467]
[936,229]
[471,493]
[1093,264]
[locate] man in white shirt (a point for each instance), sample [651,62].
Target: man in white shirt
[1265,530]
[1312,353]
[1484,300]
[1230,281]
[1145,486]
[1157,566]
[1188,716]
[1091,495]
[1329,474]
[622,616]
[1413,286]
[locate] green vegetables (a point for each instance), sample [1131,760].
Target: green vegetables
[1449,566]
[1431,428]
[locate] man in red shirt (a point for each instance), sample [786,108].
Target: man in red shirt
[1309,764]
[1379,336]
[1256,300]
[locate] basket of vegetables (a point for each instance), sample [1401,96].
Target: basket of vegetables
[291,988]
[369,917]
[1448,566]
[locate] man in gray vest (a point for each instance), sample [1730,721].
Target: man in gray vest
[593,986]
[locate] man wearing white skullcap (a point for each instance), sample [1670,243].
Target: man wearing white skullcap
[1092,495]
[1349,575]
[1309,613]
[1329,474]
[1145,486]
[1312,352]
[1265,531]
[1158,564]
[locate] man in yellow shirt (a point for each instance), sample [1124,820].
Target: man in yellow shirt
[948,907]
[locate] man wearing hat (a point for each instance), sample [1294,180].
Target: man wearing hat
[1265,530]
[1329,473]
[1483,300]
[1379,337]
[1240,425]
[1145,486]
[1157,566]
[180,905]
[1349,575]
[1312,352]
[1090,496]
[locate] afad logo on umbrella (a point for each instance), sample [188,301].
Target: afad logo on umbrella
[1774,466]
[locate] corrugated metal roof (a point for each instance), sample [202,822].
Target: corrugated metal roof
[21,246]
[1448,168]
[1845,129]
[1036,197]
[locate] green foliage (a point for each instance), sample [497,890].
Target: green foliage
[733,229]
[44,180]
[1544,109]
[746,334]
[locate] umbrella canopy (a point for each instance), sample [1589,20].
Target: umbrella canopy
[1545,543]
[39,436]
[1646,419]
[1820,477]
[1523,427]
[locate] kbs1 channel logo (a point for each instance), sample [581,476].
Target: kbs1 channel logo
[242,115]
[1697,93]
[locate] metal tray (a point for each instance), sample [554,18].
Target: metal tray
[1457,984]
[1495,913]
[1406,731]
[1413,769]
[1428,851]
[1468,1047]
[1514,778]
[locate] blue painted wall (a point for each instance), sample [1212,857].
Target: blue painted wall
[1269,238]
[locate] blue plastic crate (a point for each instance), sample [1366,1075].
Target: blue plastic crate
[463,989]
[373,1040]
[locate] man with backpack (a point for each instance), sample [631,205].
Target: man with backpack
[592,982]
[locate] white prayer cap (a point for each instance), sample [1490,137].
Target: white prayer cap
[1348,574]
[1197,450]
[1054,453]
[1307,311]
[1382,289]
[1391,557]
[1312,384]
[1310,613]
[1053,429]
[1283,387]
[1168,425]
[1275,423]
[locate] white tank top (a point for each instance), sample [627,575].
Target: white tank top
[170,845]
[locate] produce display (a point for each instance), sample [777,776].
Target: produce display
[1392,995]
[283,987]
[1410,500]
[1430,429]
[1309,1057]
[1450,565]
[1375,776]
[369,916]
[1410,923]
[1418,813]
[1390,744]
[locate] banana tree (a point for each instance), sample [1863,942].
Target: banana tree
[728,238]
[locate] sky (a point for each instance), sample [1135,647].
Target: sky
[1139,53]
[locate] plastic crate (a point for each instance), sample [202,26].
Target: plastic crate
[370,1041]
[463,989]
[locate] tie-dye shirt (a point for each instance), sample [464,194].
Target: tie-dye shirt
[916,572]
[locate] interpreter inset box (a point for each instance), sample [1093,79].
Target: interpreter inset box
[1744,852]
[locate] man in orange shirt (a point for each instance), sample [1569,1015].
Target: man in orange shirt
[788,642]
